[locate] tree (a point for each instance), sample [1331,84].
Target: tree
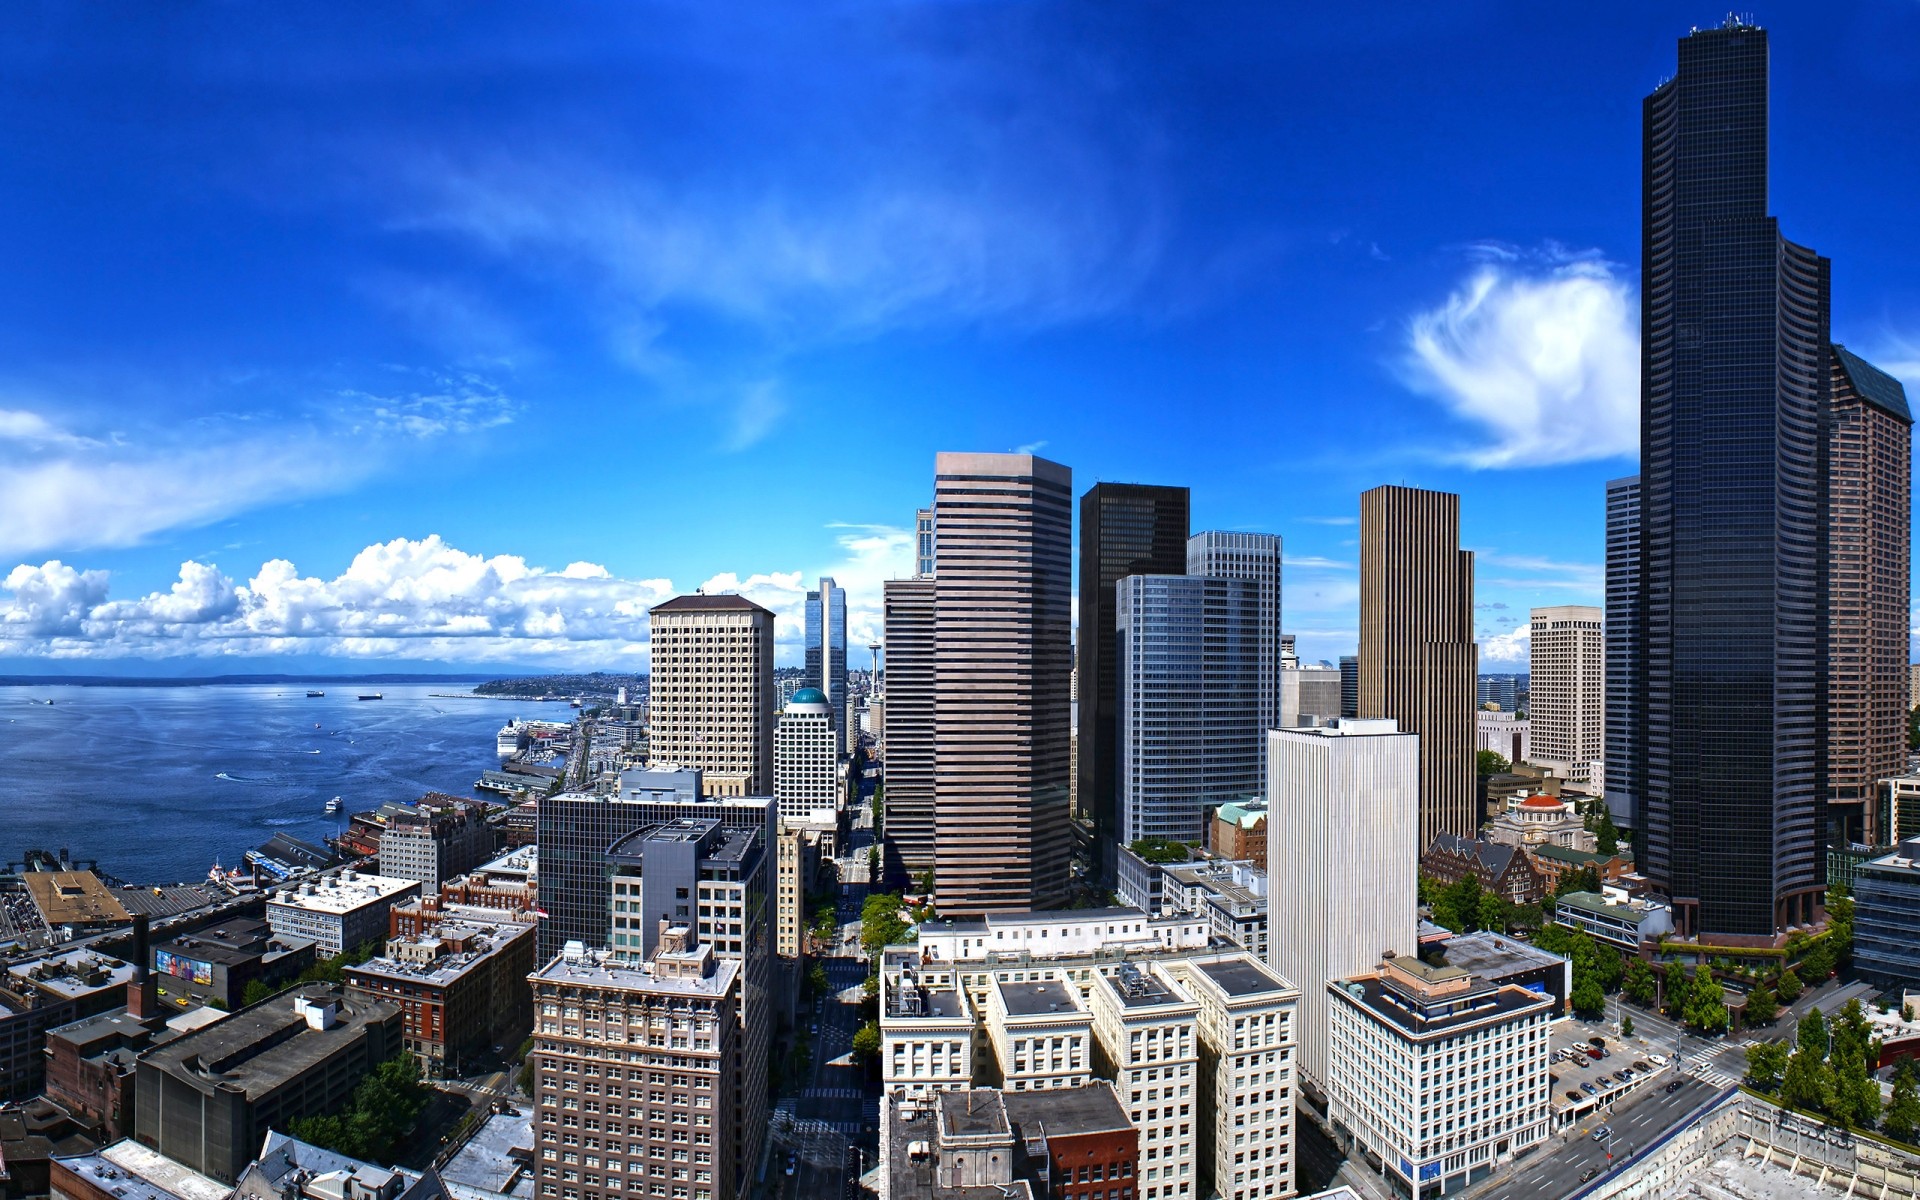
[1588,1000]
[1839,923]
[1790,985]
[1605,834]
[1766,1063]
[923,882]
[1626,1026]
[1639,983]
[1762,1008]
[1706,1008]
[1490,763]
[1817,964]
[1677,988]
[1457,907]
[817,983]
[1902,1122]
[1608,966]
[1811,1034]
[1586,879]
[1806,1083]
[255,991]
[1492,912]
[1160,850]
[866,1043]
[1906,1013]
[881,924]
[382,1112]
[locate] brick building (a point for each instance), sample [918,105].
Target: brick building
[1504,870]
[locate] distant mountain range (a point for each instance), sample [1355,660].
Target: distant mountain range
[206,680]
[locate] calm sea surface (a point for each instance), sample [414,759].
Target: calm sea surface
[157,783]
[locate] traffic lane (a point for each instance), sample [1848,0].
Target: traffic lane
[1634,1126]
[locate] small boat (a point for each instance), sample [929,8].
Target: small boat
[315,695]
[373,696]
[333,805]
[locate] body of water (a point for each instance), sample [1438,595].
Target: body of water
[156,783]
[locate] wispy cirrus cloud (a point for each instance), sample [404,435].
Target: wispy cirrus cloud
[1540,351]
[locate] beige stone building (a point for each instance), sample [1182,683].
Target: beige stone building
[1567,713]
[713,705]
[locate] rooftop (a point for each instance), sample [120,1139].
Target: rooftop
[261,1048]
[74,898]
[1135,988]
[1242,975]
[726,602]
[911,1136]
[444,968]
[598,969]
[1495,954]
[1581,858]
[69,975]
[1875,386]
[972,1112]
[129,1171]
[1036,999]
[342,893]
[1446,1012]
[1067,1112]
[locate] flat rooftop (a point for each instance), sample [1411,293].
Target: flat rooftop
[130,1171]
[593,971]
[1061,1112]
[973,1112]
[69,975]
[1037,999]
[1138,989]
[346,892]
[74,898]
[489,940]
[1242,975]
[261,1048]
[1490,1005]
[1491,954]
[908,1175]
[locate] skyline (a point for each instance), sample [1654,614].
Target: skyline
[467,355]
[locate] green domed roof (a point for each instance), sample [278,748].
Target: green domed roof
[808,696]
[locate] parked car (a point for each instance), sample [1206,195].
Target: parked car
[1576,1097]
[1596,1040]
[1641,1065]
[1602,1134]
[1588,1174]
[1594,1052]
[1589,1089]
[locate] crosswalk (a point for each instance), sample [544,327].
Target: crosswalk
[832,1093]
[1709,1070]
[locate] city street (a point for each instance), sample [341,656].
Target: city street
[1554,1169]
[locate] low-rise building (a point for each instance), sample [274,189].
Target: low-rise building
[1240,831]
[462,986]
[1505,871]
[44,993]
[1137,880]
[1041,1035]
[1437,1076]
[510,883]
[1535,819]
[338,912]
[658,1039]
[1886,918]
[126,1170]
[207,1098]
[75,903]
[926,1035]
[1144,1032]
[1499,959]
[1115,932]
[215,965]
[985,1144]
[1557,862]
[1231,896]
[1611,915]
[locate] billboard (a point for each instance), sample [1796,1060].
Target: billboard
[180,967]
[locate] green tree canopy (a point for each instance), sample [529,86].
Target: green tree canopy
[1902,1122]
[1806,1082]
[1706,1008]
[1811,1034]
[1639,982]
[1790,985]
[1762,1008]
[1160,850]
[866,1042]
[1489,763]
[881,924]
[1588,1000]
[1766,1064]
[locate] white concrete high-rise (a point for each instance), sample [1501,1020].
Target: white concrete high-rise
[806,769]
[1343,820]
[1568,708]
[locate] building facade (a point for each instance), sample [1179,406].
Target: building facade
[806,763]
[1886,918]
[907,823]
[1869,528]
[434,845]
[1417,653]
[1566,710]
[337,912]
[1625,716]
[1145,1031]
[1188,703]
[461,987]
[1224,554]
[1003,597]
[1343,865]
[1733,345]
[1125,529]
[826,659]
[1246,1078]
[711,705]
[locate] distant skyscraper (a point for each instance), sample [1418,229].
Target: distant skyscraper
[1343,816]
[1870,512]
[1254,556]
[806,768]
[1190,733]
[1349,685]
[1125,529]
[1626,717]
[1003,599]
[1734,384]
[1417,654]
[923,543]
[826,666]
[1568,697]
[907,829]
[712,702]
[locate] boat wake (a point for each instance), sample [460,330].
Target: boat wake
[235,778]
[286,821]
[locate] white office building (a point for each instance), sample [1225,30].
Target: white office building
[1246,1027]
[1232,896]
[1569,696]
[1041,1035]
[1144,1026]
[806,775]
[1343,829]
[926,1035]
[1438,1075]
[337,912]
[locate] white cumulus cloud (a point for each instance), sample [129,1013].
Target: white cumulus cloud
[1539,351]
[1510,650]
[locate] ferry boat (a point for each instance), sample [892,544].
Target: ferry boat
[333,805]
[315,695]
[373,696]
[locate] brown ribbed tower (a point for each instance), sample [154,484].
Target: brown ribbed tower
[1417,655]
[1003,653]
[1869,518]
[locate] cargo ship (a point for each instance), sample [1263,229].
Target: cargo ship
[373,696]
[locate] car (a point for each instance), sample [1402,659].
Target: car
[1658,1060]
[1602,1134]
[1589,1089]
[1576,1097]
[1622,1076]
[1675,1086]
[1587,1175]
[1640,1064]
[1605,1053]
[1594,1053]
[793,1163]
[1596,1040]
[814,1028]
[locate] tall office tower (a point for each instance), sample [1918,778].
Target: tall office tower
[1869,519]
[712,704]
[1626,718]
[1003,599]
[1342,866]
[806,767]
[1734,381]
[1254,556]
[1349,685]
[923,543]
[1417,655]
[1189,715]
[1567,662]
[1125,529]
[826,665]
[661,1042]
[907,825]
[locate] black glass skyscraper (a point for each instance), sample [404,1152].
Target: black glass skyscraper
[1734,323]
[1125,529]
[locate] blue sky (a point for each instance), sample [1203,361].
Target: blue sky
[436,334]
